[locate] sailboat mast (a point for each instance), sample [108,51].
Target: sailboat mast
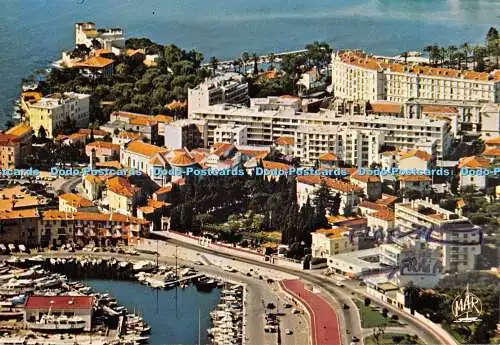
[199,327]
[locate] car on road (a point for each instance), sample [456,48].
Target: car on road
[295,311]
[288,331]
[288,305]
[346,307]
[339,284]
[270,306]
[199,263]
[355,339]
[230,269]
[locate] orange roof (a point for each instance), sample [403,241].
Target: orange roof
[272,74]
[8,140]
[16,214]
[337,185]
[439,109]
[416,153]
[372,205]
[184,158]
[366,178]
[177,105]
[163,190]
[220,148]
[102,51]
[31,96]
[19,130]
[493,152]
[460,203]
[76,200]
[139,121]
[413,178]
[131,52]
[77,136]
[96,132]
[104,145]
[385,214]
[152,205]
[275,165]
[91,216]
[333,233]
[129,135]
[385,107]
[145,149]
[94,62]
[259,154]
[473,162]
[493,141]
[387,199]
[121,186]
[163,118]
[110,164]
[496,74]
[285,140]
[327,157]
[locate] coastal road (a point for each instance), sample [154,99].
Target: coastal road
[431,336]
[69,184]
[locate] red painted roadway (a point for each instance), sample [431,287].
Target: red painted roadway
[324,321]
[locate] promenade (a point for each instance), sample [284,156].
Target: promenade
[324,320]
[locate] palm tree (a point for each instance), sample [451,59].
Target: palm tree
[452,54]
[442,55]
[467,49]
[214,62]
[237,64]
[405,56]
[429,50]
[245,57]
[255,59]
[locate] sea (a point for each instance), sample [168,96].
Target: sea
[33,33]
[176,316]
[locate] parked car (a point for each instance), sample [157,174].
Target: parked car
[288,331]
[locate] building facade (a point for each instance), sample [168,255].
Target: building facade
[458,240]
[51,112]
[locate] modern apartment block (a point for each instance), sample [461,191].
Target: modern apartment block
[457,238]
[52,111]
[231,133]
[226,88]
[265,126]
[87,33]
[185,133]
[357,76]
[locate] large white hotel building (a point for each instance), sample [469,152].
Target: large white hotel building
[357,76]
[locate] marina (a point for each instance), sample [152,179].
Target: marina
[39,301]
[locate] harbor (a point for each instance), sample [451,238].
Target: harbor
[43,301]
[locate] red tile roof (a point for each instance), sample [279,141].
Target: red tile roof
[414,178]
[416,153]
[366,178]
[385,107]
[285,140]
[337,185]
[275,165]
[473,162]
[327,157]
[493,141]
[385,214]
[439,109]
[59,302]
[493,152]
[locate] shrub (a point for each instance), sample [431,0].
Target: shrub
[367,301]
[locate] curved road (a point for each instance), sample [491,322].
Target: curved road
[324,283]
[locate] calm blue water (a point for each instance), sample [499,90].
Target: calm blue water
[171,322]
[33,32]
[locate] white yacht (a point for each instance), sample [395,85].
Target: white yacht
[50,323]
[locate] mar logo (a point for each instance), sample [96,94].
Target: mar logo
[466,307]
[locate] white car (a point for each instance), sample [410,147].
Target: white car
[288,331]
[230,269]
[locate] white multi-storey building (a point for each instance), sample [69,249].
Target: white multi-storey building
[185,133]
[231,133]
[86,33]
[265,126]
[457,238]
[226,88]
[357,76]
